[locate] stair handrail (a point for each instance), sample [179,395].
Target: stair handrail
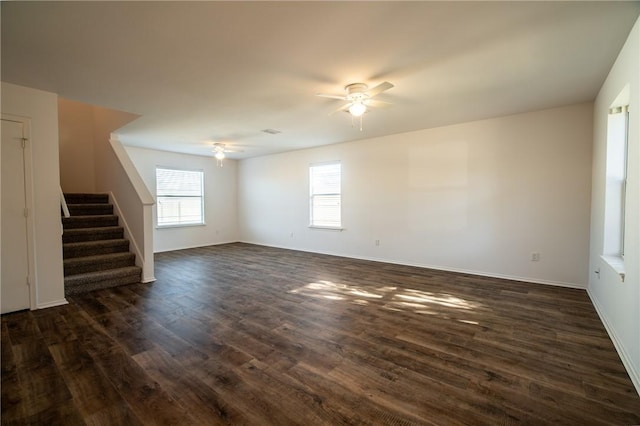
[65,210]
[63,203]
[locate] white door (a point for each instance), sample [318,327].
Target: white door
[14,288]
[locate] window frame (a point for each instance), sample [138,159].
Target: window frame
[202,221]
[615,195]
[313,195]
[616,171]
[625,176]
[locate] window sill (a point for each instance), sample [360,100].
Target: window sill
[616,263]
[184,225]
[328,228]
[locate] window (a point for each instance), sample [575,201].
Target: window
[325,189]
[180,199]
[617,142]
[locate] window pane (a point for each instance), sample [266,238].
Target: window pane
[325,179]
[179,182]
[325,188]
[179,197]
[326,210]
[615,190]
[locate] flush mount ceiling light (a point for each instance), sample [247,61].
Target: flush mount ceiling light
[359,98]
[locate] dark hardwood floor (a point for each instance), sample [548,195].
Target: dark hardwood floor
[242,334]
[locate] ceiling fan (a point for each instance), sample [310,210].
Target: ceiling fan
[359,97]
[220,150]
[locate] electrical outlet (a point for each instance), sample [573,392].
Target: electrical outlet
[535,256]
[291,235]
[377,243]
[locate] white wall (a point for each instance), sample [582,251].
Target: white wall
[618,302]
[219,192]
[476,197]
[42,110]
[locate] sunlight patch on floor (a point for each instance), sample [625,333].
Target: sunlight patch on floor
[392,298]
[329,287]
[438,299]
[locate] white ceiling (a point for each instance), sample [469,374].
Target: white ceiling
[198,72]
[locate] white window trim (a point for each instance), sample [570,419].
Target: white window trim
[203,210]
[330,228]
[185,225]
[615,261]
[322,227]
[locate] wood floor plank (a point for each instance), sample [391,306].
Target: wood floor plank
[244,334]
[204,404]
[12,405]
[91,389]
[113,415]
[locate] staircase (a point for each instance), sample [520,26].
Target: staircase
[95,253]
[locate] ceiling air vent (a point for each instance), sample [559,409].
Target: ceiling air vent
[272,131]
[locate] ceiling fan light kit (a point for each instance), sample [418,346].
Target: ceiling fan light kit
[357,109]
[359,98]
[220,151]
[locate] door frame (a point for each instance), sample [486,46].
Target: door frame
[28,199]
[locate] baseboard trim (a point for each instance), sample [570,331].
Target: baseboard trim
[52,304]
[200,245]
[436,267]
[479,273]
[634,375]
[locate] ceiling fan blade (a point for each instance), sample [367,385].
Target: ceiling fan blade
[322,95]
[233,150]
[342,108]
[377,104]
[379,89]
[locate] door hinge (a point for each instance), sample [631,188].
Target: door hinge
[28,281]
[26,212]
[23,142]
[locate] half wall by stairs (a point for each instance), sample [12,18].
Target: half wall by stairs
[95,253]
